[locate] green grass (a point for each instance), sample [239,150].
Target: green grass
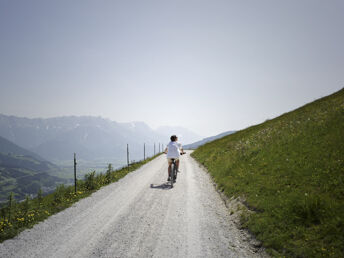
[15,217]
[290,171]
[25,175]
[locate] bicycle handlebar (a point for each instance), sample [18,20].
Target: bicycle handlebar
[180,153]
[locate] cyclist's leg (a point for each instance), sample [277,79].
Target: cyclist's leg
[169,169]
[177,163]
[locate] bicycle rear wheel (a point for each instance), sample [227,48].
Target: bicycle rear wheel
[175,172]
[172,173]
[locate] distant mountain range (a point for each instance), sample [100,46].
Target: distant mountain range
[24,172]
[92,138]
[28,146]
[195,145]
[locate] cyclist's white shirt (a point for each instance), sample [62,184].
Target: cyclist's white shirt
[173,150]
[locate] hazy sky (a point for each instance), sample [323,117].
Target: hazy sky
[210,66]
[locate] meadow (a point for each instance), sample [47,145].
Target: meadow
[290,173]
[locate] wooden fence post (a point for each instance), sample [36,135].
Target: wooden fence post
[10,203]
[128,156]
[74,172]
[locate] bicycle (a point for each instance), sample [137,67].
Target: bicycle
[174,170]
[173,175]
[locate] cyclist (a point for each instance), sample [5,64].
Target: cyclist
[173,151]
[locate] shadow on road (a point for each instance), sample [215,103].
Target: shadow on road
[165,186]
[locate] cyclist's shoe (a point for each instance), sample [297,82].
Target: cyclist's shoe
[175,177]
[168,179]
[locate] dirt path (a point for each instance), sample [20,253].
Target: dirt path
[140,216]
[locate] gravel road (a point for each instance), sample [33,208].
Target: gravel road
[140,216]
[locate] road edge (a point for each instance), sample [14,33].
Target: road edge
[236,208]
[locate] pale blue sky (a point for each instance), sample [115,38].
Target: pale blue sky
[210,66]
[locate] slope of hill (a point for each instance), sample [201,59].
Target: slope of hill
[195,145]
[24,175]
[290,171]
[8,147]
[24,172]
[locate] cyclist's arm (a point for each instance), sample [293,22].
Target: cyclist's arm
[181,149]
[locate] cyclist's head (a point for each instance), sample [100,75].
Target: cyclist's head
[173,138]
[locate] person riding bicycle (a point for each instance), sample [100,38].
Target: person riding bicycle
[173,151]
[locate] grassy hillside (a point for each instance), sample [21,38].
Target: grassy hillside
[24,172]
[25,175]
[290,170]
